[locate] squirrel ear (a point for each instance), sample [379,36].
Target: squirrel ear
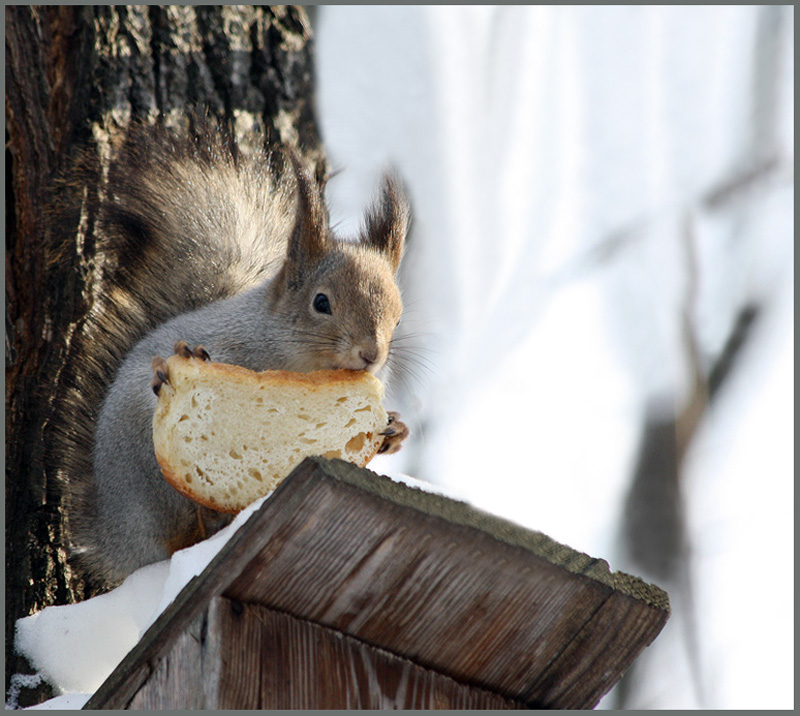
[309,237]
[386,222]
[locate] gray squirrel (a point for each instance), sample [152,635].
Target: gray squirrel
[222,249]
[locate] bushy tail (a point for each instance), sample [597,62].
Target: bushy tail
[170,222]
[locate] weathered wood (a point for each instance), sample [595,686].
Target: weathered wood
[432,579]
[245,656]
[117,691]
[447,587]
[184,677]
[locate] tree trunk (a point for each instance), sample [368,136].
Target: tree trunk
[74,77]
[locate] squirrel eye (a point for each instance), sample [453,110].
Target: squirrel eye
[322,304]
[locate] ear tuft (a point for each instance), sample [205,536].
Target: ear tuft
[309,238]
[386,222]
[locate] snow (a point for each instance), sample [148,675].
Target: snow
[75,647]
[65,702]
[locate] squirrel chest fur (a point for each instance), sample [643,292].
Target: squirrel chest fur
[232,250]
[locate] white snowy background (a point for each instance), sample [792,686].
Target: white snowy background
[567,166]
[582,179]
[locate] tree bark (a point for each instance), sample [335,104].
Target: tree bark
[76,76]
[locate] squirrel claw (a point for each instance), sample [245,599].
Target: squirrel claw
[182,348]
[394,435]
[161,374]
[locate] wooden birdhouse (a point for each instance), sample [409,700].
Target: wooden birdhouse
[349,590]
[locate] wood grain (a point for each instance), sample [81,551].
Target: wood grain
[237,656]
[436,583]
[452,597]
[304,665]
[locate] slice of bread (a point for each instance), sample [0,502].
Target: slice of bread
[225,436]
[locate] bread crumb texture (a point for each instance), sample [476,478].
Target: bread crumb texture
[225,436]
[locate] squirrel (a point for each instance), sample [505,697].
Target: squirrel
[222,248]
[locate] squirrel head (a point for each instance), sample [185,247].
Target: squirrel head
[338,300]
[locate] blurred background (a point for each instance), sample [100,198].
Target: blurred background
[598,336]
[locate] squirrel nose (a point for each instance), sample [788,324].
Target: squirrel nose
[368,355]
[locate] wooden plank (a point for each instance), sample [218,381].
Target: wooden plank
[452,588]
[436,582]
[301,665]
[177,681]
[595,658]
[237,656]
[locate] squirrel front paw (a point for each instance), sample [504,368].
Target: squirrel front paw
[394,435]
[181,348]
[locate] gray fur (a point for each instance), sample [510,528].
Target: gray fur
[231,251]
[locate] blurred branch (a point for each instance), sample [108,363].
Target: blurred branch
[654,523]
[737,187]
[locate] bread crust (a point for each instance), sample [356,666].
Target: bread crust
[188,372]
[237,373]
